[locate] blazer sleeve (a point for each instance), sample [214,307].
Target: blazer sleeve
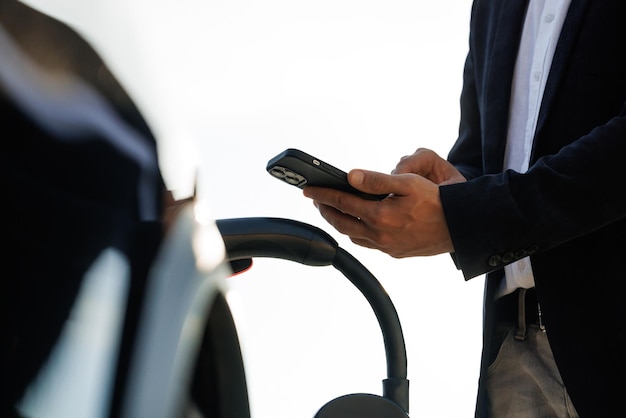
[497,219]
[466,153]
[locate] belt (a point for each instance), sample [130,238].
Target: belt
[520,307]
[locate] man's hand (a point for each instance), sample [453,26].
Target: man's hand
[410,222]
[428,164]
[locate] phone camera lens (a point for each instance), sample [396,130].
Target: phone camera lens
[278,172]
[292,179]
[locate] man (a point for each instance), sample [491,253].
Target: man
[531,194]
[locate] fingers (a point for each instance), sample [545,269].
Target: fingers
[354,216]
[369,182]
[344,223]
[337,207]
[420,162]
[428,164]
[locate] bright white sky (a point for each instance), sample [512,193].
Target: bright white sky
[226,85]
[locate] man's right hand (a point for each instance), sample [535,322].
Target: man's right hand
[428,164]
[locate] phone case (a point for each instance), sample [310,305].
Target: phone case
[300,169]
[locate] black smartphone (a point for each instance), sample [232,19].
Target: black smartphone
[300,169]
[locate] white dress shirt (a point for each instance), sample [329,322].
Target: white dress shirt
[542,27]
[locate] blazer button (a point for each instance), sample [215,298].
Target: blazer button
[519,254]
[508,257]
[495,260]
[532,249]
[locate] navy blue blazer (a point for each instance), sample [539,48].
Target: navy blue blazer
[568,211]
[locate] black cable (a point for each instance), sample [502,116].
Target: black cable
[396,386]
[247,238]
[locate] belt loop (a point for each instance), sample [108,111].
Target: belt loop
[520,333]
[542,326]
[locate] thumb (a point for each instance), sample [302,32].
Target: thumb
[370,181]
[377,183]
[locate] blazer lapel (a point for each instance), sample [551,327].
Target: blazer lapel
[507,36]
[563,51]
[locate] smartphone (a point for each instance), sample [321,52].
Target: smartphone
[300,169]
